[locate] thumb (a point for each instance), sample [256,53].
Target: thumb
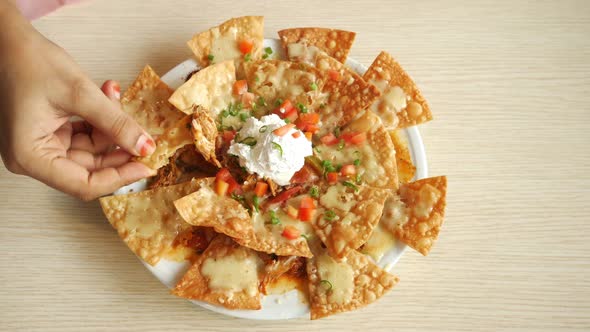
[106,115]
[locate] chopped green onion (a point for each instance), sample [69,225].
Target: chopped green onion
[273,218]
[322,105]
[287,120]
[210,57]
[277,146]
[251,141]
[224,114]
[314,162]
[327,166]
[247,57]
[256,78]
[341,145]
[302,108]
[329,215]
[350,185]
[313,86]
[327,283]
[234,109]
[256,203]
[317,150]
[265,56]
[260,101]
[337,132]
[357,162]
[314,192]
[305,237]
[244,116]
[238,198]
[278,102]
[358,179]
[268,50]
[357,154]
[263,129]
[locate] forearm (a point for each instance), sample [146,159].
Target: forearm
[14,28]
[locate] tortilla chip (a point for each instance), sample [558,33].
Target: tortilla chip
[146,101]
[210,87]
[205,208]
[425,202]
[346,217]
[401,104]
[204,132]
[225,274]
[221,42]
[376,156]
[336,287]
[274,269]
[267,237]
[148,222]
[347,95]
[336,43]
[168,143]
[405,167]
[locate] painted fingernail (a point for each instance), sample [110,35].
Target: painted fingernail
[117,90]
[145,145]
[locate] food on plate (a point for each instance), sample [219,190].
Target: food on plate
[268,170]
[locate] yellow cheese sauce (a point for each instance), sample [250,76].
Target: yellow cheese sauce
[340,275]
[232,274]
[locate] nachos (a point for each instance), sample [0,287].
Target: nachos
[269,168]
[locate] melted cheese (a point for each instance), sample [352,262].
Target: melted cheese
[302,52]
[147,216]
[427,198]
[395,212]
[392,101]
[231,274]
[380,242]
[336,197]
[225,47]
[370,168]
[340,275]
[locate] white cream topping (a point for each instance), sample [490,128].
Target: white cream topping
[273,157]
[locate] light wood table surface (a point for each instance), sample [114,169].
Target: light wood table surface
[509,85]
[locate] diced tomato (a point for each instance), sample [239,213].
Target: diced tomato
[260,189]
[348,170]
[296,134]
[307,202]
[291,233]
[305,175]
[310,118]
[329,139]
[334,75]
[285,109]
[291,212]
[284,129]
[225,176]
[354,138]
[332,177]
[306,214]
[240,87]
[248,99]
[221,187]
[285,195]
[291,115]
[228,135]
[312,128]
[308,135]
[245,46]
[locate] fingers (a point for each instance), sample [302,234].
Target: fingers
[96,162]
[111,89]
[91,104]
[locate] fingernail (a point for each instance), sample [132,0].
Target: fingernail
[117,91]
[145,145]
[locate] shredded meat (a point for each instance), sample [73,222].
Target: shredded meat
[195,238]
[276,268]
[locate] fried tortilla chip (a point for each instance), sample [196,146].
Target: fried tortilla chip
[205,208]
[336,287]
[299,41]
[146,101]
[416,215]
[210,87]
[269,225]
[148,222]
[205,133]
[401,104]
[375,156]
[225,274]
[222,43]
[347,93]
[347,216]
[277,79]
[405,167]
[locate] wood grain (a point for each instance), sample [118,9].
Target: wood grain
[509,85]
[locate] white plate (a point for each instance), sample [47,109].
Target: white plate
[289,305]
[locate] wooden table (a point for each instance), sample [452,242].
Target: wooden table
[509,84]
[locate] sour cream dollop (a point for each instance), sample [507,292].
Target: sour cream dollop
[273,157]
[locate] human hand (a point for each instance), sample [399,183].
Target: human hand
[41,88]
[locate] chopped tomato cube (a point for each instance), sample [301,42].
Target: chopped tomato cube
[248,99]
[358,138]
[305,175]
[285,195]
[285,108]
[308,135]
[283,130]
[291,115]
[332,177]
[348,170]
[225,176]
[245,46]
[307,202]
[312,128]
[228,135]
[291,233]
[309,118]
[329,139]
[260,189]
[291,212]
[240,87]
[221,187]
[296,134]
[306,214]
[334,75]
